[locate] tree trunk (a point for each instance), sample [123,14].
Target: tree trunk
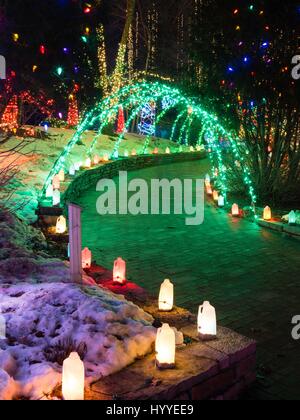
[129,18]
[118,73]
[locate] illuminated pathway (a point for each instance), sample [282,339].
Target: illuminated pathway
[250,275]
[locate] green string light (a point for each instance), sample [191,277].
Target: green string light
[133,98]
[175,124]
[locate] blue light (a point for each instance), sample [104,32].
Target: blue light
[231,69]
[246,59]
[45,125]
[265,45]
[147,125]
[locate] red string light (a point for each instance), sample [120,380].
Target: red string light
[73,115]
[9,118]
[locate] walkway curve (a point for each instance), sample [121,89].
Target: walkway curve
[250,274]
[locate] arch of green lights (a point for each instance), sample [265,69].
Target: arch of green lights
[133,98]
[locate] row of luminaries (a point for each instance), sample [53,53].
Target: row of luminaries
[165,345]
[166,336]
[235,210]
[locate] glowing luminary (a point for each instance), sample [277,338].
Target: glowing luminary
[56,198]
[88,163]
[73,378]
[209,190]
[56,182]
[133,152]
[207,179]
[168,151]
[116,155]
[61,225]
[207,321]
[221,201]
[215,195]
[198,148]
[119,274]
[235,210]
[2,328]
[96,160]
[61,175]
[155,151]
[72,170]
[49,191]
[165,347]
[78,166]
[166,296]
[267,213]
[126,154]
[192,149]
[86,258]
[292,218]
[105,158]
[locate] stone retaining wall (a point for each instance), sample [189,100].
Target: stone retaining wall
[219,370]
[284,228]
[90,177]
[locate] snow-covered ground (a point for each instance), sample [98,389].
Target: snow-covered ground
[23,254]
[38,157]
[46,317]
[42,320]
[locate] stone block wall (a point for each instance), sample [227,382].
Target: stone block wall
[90,177]
[219,370]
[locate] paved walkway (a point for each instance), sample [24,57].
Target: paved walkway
[251,275]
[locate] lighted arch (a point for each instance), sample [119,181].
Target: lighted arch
[133,98]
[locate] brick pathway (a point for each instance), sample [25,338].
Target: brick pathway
[251,275]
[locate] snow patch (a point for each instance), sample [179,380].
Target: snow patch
[23,255]
[285,218]
[41,318]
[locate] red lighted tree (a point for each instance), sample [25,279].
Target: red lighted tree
[121,121]
[73,115]
[10,116]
